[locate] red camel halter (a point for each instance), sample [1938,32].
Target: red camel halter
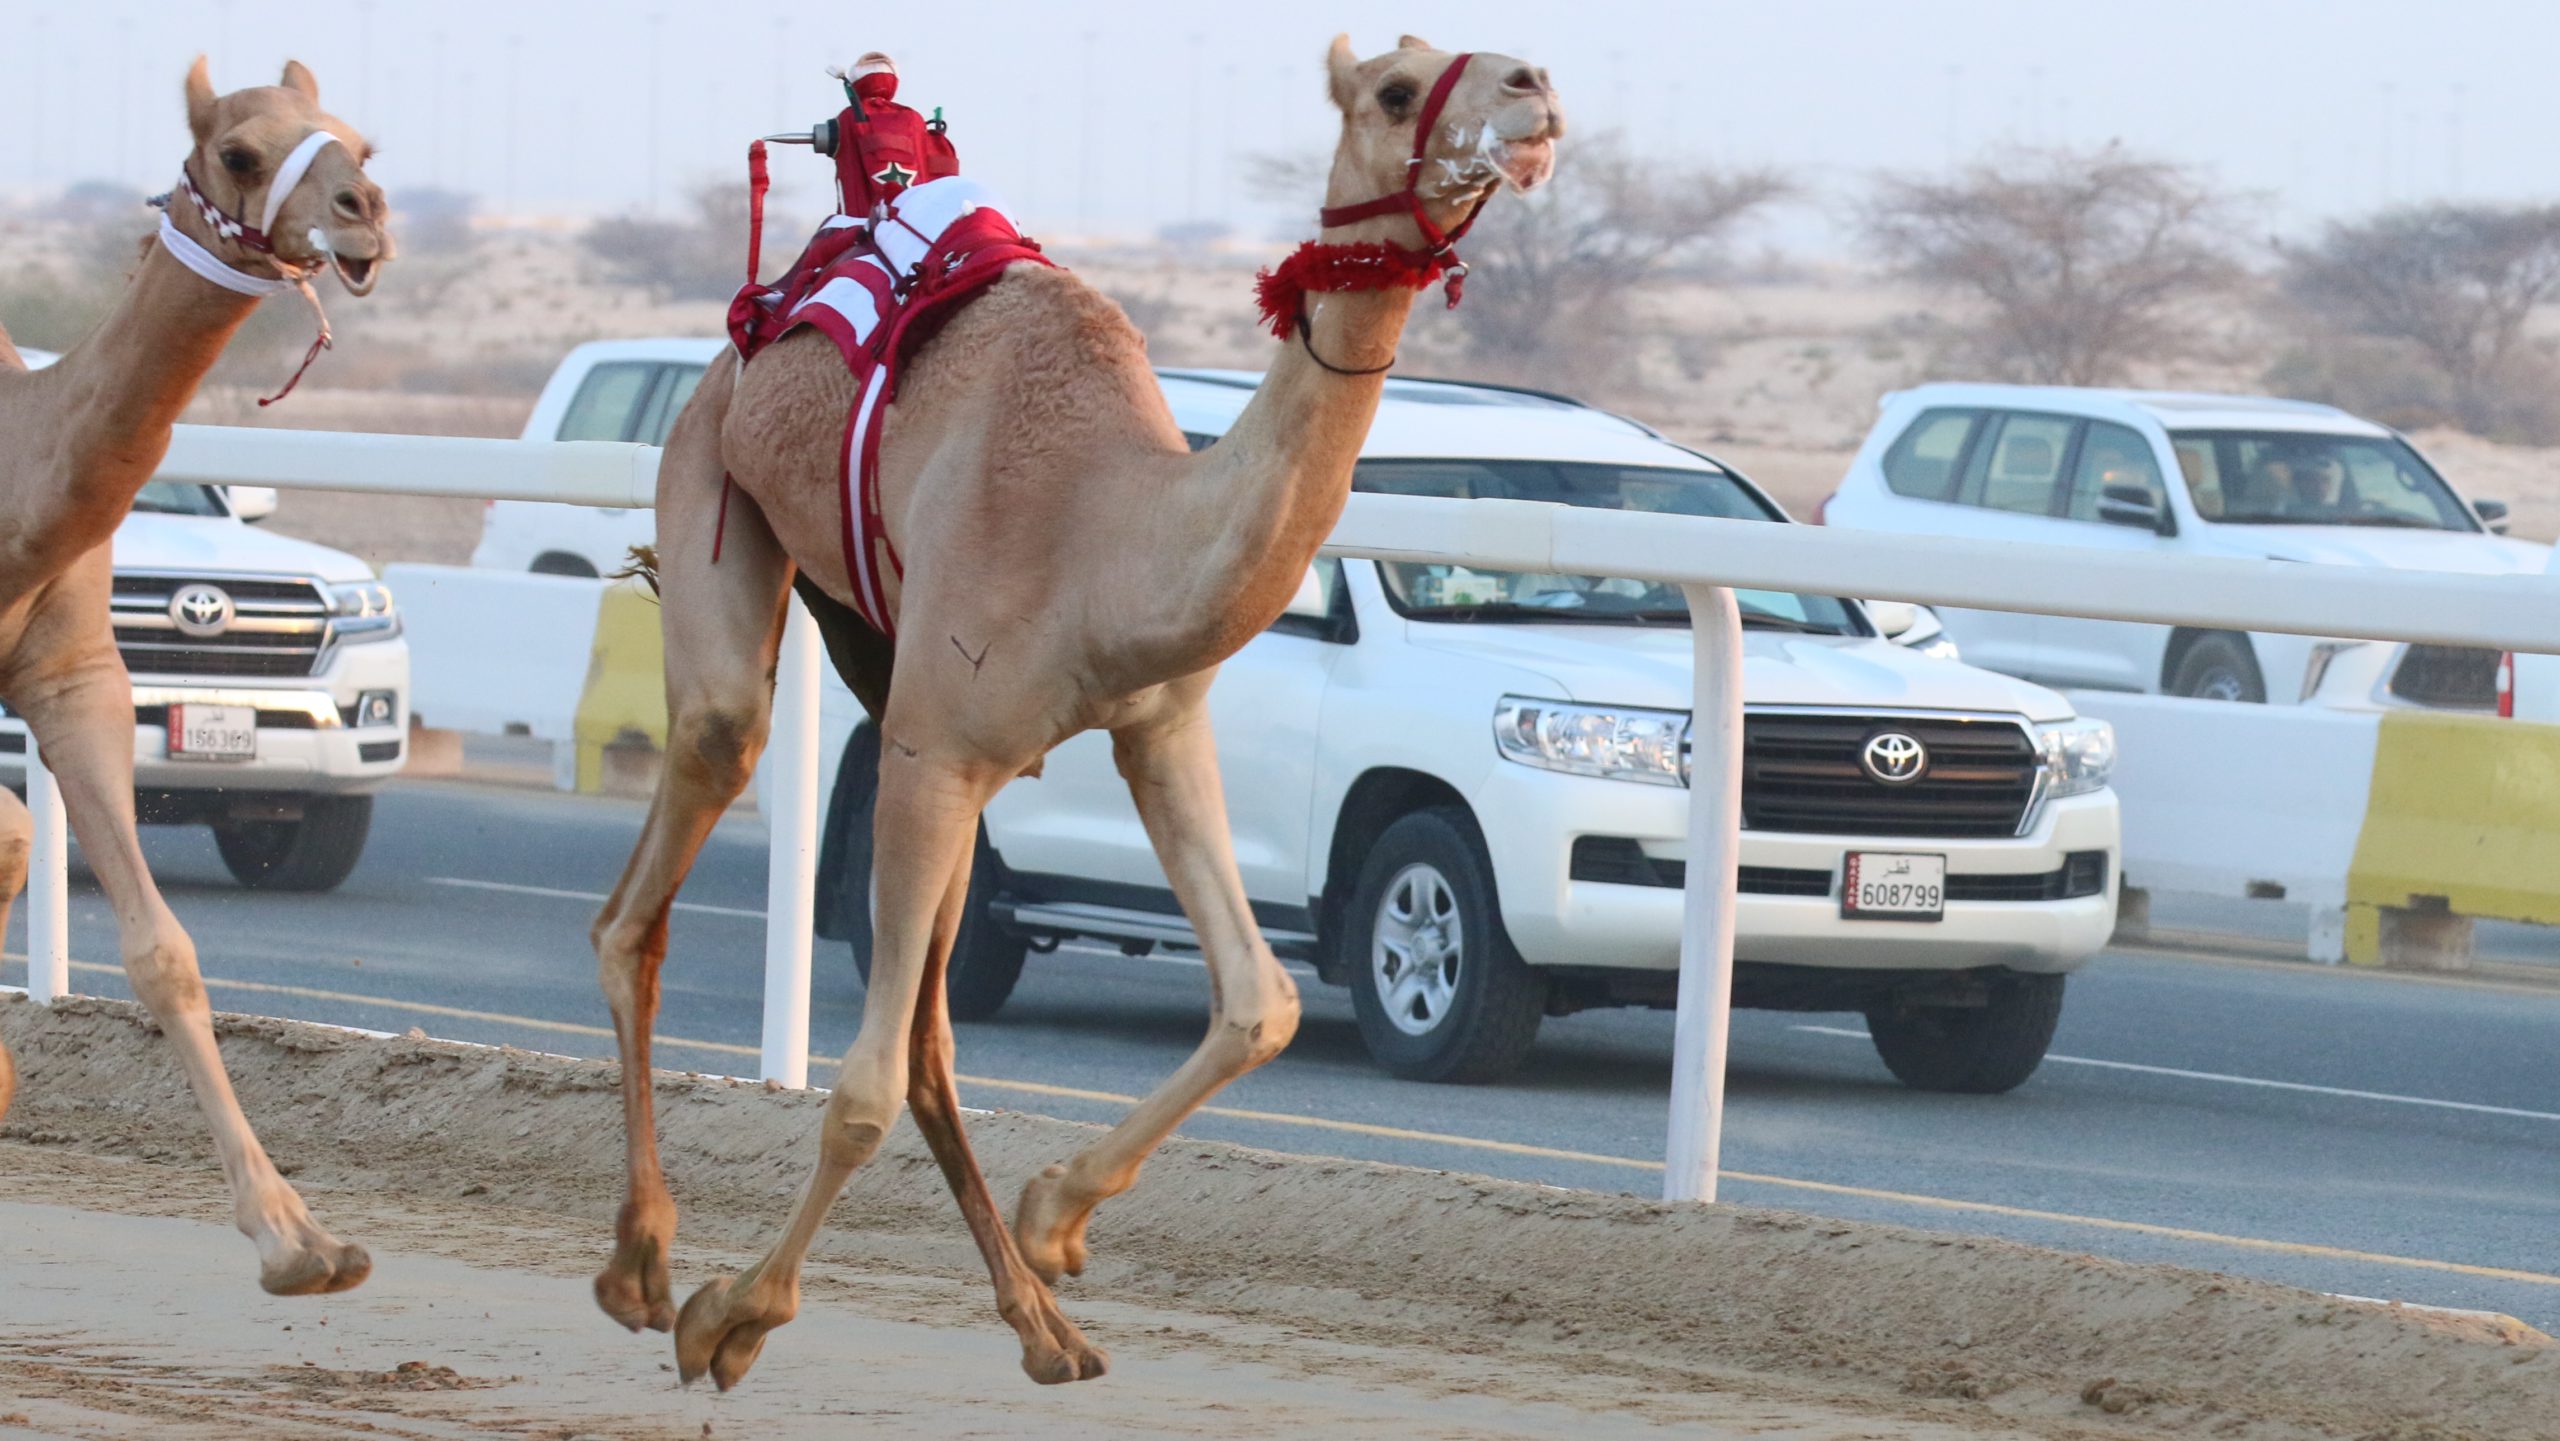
[1371,264]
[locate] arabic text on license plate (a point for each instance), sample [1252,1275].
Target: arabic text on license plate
[1882,885]
[200,732]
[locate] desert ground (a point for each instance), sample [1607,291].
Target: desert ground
[1241,1292]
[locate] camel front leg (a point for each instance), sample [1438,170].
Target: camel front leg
[927,820]
[17,838]
[723,626]
[82,717]
[1171,764]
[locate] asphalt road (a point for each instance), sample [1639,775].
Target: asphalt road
[2369,1135]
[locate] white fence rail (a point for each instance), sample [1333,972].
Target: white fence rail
[1704,556]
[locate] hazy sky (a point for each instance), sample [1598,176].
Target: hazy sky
[1128,115]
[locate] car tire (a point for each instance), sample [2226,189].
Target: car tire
[2219,667]
[1971,1050]
[1440,993]
[986,957]
[314,853]
[554,562]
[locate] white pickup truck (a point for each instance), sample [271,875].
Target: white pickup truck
[270,684]
[603,390]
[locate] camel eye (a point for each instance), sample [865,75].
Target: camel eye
[240,162]
[1396,98]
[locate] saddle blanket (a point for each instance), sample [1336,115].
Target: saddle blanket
[878,285]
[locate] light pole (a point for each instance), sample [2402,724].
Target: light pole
[657,23]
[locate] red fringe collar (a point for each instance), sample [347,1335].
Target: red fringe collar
[1369,265]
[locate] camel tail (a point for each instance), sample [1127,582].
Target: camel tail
[640,564]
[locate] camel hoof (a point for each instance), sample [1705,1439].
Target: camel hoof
[1049,1229]
[712,1336]
[633,1288]
[316,1270]
[1081,1362]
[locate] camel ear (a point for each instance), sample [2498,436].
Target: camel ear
[200,99]
[1412,42]
[1344,68]
[298,77]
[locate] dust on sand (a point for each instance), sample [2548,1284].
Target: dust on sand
[1241,1292]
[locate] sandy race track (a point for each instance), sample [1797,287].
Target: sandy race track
[1241,1293]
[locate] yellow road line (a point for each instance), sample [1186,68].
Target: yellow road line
[1472,1143]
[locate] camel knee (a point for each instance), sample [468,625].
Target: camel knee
[858,1120]
[628,954]
[718,745]
[17,842]
[165,978]
[1254,1036]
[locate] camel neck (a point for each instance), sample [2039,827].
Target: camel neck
[127,384]
[1284,467]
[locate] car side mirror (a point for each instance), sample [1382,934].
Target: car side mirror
[1314,599]
[1893,617]
[2492,513]
[2136,506]
[252,503]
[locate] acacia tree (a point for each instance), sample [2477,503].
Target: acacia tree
[2458,282]
[2083,260]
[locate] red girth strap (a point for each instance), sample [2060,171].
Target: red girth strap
[1442,246]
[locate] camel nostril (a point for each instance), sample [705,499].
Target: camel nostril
[350,204]
[1525,80]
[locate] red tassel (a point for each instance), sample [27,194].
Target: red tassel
[758,181]
[1281,292]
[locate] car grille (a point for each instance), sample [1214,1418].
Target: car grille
[1801,773]
[2454,676]
[278,627]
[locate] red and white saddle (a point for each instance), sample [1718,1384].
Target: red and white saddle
[878,280]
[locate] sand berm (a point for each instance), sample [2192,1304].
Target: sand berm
[1580,1297]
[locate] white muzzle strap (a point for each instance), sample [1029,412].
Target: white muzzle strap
[183,249]
[289,175]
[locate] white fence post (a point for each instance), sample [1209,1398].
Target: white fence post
[791,877]
[48,885]
[1694,1152]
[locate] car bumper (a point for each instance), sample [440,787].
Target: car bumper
[1556,920]
[305,743]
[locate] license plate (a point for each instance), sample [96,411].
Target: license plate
[200,732]
[1885,886]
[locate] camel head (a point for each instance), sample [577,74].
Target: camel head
[1497,127]
[332,215]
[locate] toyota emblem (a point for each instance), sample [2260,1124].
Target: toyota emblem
[200,610]
[1895,758]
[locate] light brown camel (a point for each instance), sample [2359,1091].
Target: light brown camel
[77,441]
[1069,566]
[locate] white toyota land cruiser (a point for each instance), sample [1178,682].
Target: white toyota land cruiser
[1461,793]
[270,685]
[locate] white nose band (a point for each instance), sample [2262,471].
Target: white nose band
[290,174]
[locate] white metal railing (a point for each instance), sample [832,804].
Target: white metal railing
[1705,557]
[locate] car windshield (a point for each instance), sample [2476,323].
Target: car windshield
[169,497]
[1462,593]
[2245,477]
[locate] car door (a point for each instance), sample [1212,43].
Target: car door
[1076,828]
[2008,488]
[2107,654]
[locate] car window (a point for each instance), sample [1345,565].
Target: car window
[1922,462]
[2112,454]
[608,401]
[675,386]
[2021,469]
[170,497]
[2313,478]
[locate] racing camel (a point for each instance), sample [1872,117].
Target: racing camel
[1068,565]
[77,442]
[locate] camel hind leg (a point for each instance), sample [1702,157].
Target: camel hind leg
[1171,764]
[17,838]
[723,627]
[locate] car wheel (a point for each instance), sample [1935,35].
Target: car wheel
[553,562]
[314,853]
[986,958]
[2219,667]
[1975,1050]
[1439,991]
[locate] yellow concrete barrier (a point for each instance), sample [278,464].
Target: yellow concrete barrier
[625,700]
[2463,823]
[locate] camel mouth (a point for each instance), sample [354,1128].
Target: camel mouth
[1526,164]
[358,274]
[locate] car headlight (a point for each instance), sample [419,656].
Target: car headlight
[1620,743]
[2078,755]
[363,611]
